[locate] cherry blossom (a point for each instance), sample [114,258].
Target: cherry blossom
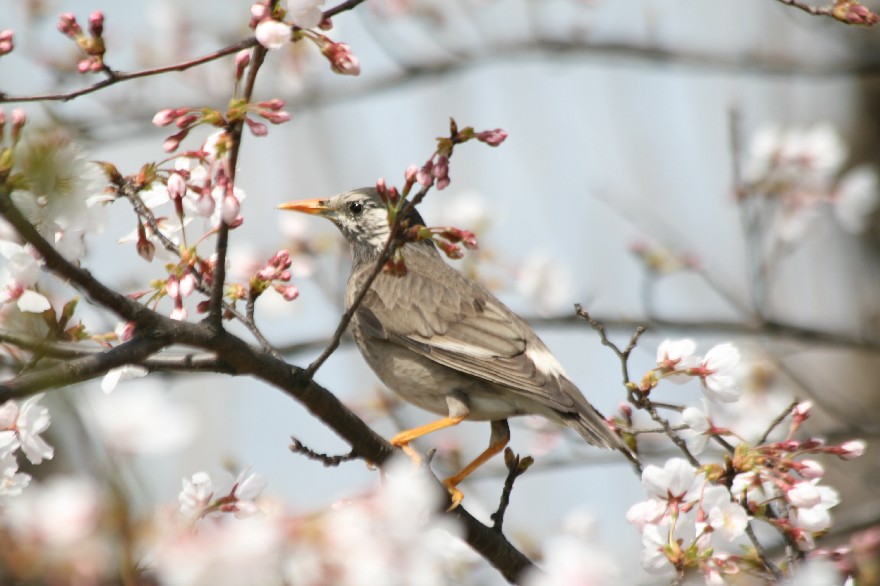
[675,483]
[196,494]
[20,427]
[12,482]
[18,276]
[677,356]
[715,373]
[246,489]
[123,373]
[272,34]
[700,425]
[726,517]
[305,13]
[857,195]
[62,199]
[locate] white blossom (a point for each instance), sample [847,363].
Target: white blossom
[59,192]
[20,427]
[305,13]
[717,366]
[856,197]
[272,34]
[12,482]
[196,494]
[116,375]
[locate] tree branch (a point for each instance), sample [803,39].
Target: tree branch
[82,369]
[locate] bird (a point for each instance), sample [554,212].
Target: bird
[444,343]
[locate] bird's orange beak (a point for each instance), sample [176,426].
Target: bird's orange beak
[306,206]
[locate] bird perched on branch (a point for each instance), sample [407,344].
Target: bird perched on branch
[446,344]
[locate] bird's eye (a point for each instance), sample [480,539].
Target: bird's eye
[356,207]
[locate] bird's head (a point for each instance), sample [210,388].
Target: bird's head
[360,215]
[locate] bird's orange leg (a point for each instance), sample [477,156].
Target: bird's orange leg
[499,439]
[402,439]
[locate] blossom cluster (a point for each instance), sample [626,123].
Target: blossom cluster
[58,191]
[698,513]
[272,32]
[20,429]
[677,362]
[91,45]
[798,170]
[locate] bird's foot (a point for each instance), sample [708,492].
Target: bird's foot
[407,449]
[455,495]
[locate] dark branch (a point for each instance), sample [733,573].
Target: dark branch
[328,461]
[82,369]
[516,467]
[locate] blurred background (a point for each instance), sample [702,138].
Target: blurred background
[705,168]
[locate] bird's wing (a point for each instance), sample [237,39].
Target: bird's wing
[439,313]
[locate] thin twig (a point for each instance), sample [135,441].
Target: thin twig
[328,461]
[779,419]
[814,10]
[762,553]
[516,467]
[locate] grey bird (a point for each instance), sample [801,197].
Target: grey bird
[446,344]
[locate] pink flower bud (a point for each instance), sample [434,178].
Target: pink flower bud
[187,285]
[186,121]
[289,292]
[410,174]
[19,118]
[178,313]
[492,137]
[172,287]
[443,183]
[125,332]
[176,186]
[441,167]
[231,207]
[242,60]
[96,23]
[67,25]
[166,116]
[145,249]
[172,142]
[259,11]
[6,42]
[266,273]
[342,60]
[257,128]
[275,104]
[424,175]
[275,117]
[281,259]
[851,449]
[205,205]
[810,469]
[238,221]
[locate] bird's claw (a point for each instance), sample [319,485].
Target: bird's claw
[409,451]
[455,495]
